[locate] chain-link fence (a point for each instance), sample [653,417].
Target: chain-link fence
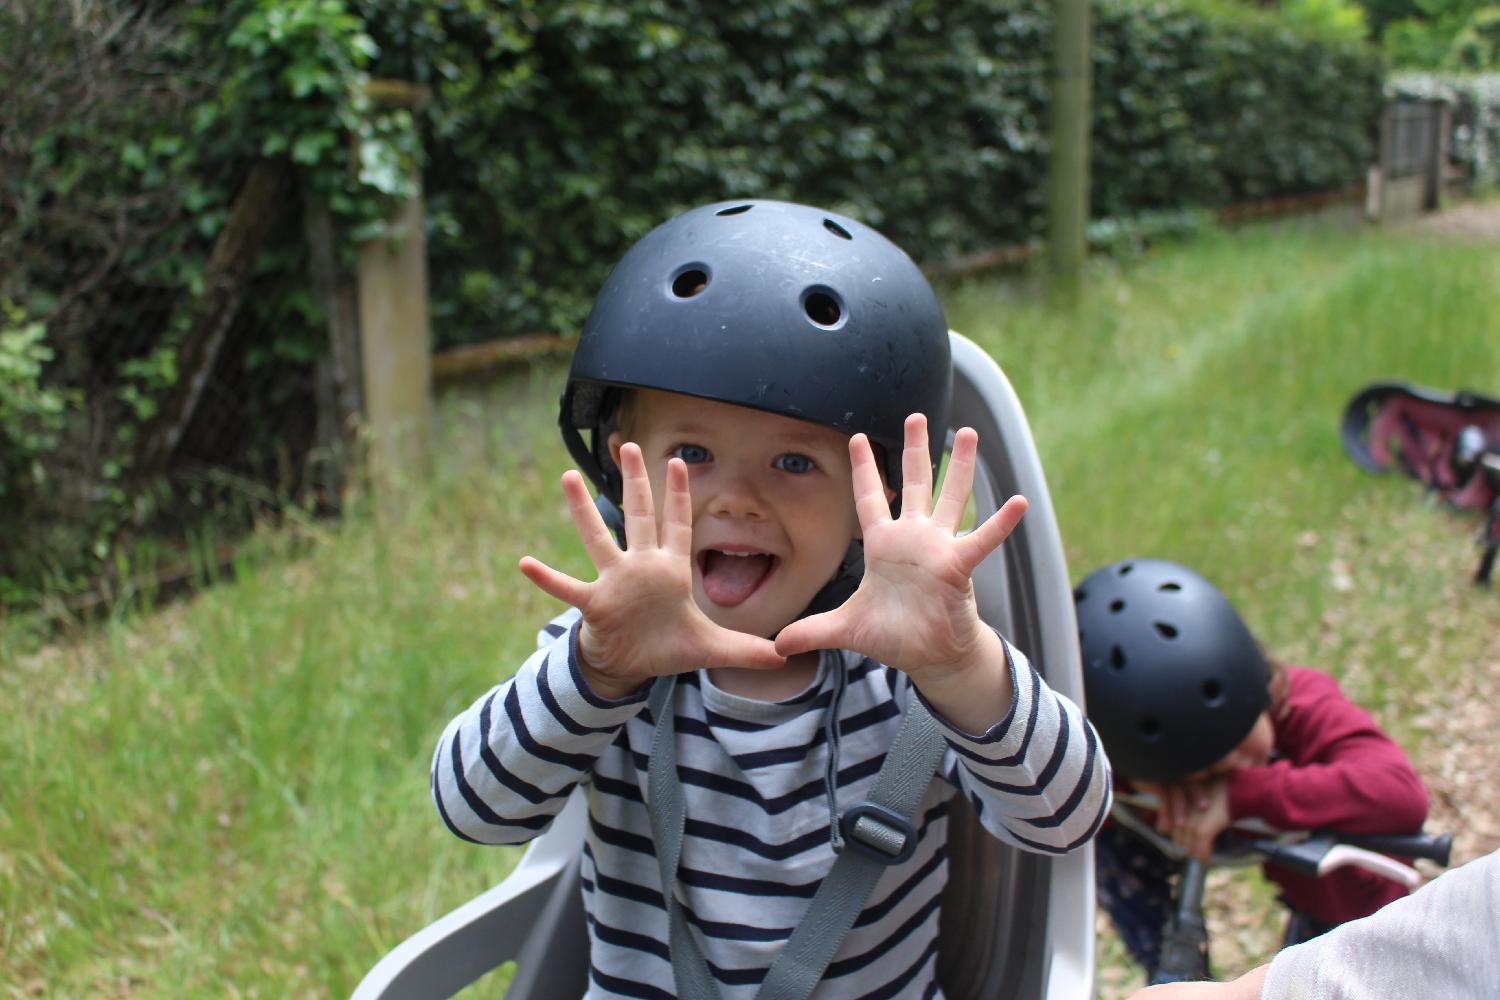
[189,407]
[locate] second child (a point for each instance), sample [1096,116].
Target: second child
[1192,710]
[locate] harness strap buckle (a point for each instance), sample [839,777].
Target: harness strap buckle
[878,832]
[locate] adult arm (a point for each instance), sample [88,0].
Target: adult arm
[1441,941]
[1247,987]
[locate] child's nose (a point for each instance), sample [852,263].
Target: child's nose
[736,496]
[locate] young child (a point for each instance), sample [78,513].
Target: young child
[1192,711]
[752,377]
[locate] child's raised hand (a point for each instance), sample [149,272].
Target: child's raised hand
[915,608]
[1193,812]
[639,617]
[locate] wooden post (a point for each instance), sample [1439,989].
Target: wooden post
[395,338]
[1385,152]
[396,350]
[1442,123]
[1068,167]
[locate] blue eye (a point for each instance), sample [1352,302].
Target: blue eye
[794,463]
[693,454]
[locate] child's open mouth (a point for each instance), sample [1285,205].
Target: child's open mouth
[729,578]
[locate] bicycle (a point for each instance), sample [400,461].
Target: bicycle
[1184,949]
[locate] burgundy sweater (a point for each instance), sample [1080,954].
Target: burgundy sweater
[1333,768]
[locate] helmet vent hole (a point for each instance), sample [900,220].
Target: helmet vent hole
[1116,606]
[1080,594]
[1150,729]
[823,307]
[736,210]
[1125,569]
[1117,657]
[690,282]
[1213,694]
[1165,630]
[1170,588]
[836,229]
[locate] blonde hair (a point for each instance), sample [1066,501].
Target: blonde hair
[623,417]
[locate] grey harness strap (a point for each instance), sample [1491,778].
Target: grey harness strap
[877,833]
[664,800]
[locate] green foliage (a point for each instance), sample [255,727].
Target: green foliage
[1476,47]
[1425,38]
[1192,110]
[297,85]
[31,414]
[1341,19]
[1382,13]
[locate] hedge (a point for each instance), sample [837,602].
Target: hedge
[552,150]
[556,133]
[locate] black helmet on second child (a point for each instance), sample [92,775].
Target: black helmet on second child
[1172,676]
[776,306]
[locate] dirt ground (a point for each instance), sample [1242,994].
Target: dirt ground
[1455,753]
[1478,220]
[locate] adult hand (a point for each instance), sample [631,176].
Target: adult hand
[639,617]
[1247,987]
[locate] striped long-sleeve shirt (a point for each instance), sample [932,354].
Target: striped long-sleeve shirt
[756,843]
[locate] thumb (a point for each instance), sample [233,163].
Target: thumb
[727,648]
[824,631]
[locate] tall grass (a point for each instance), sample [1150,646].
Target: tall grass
[228,796]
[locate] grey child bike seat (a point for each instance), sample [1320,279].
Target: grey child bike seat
[1014,924]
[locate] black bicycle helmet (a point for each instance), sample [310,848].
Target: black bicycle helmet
[781,307]
[1172,676]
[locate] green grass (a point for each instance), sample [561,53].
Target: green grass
[1188,408]
[228,796]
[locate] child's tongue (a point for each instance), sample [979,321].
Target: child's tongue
[728,580]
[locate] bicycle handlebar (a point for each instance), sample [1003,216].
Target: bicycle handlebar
[1434,847]
[1312,852]
[1184,948]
